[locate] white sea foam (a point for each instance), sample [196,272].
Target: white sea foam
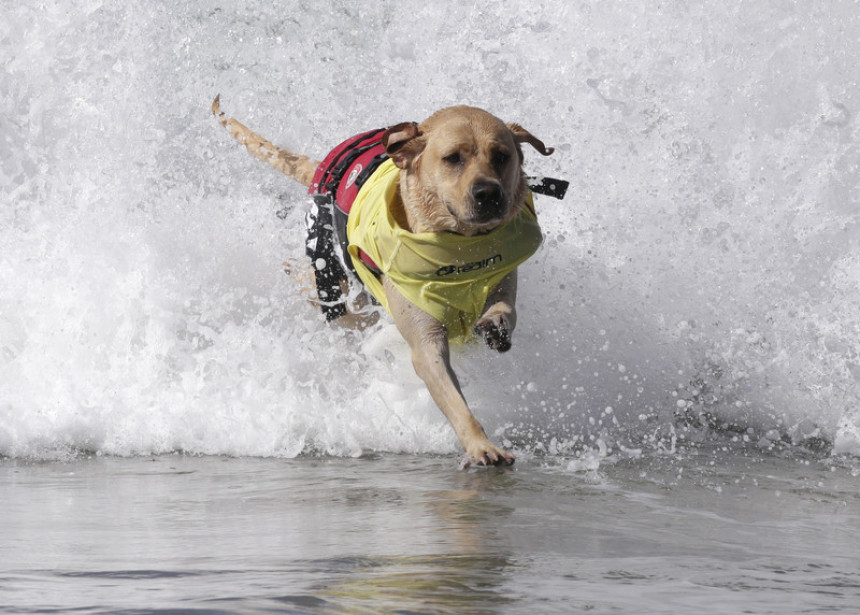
[706,261]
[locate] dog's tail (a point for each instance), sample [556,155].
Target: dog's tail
[296,166]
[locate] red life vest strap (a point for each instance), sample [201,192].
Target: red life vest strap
[342,174]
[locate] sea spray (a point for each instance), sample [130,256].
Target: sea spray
[700,279]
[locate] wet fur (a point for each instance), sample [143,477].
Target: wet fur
[461,172]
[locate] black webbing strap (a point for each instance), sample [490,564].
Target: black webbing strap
[335,172]
[346,149]
[371,167]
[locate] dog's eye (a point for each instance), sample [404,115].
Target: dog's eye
[500,158]
[453,159]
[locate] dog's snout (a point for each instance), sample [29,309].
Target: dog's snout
[487,196]
[486,192]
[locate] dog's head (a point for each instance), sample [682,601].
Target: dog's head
[463,168]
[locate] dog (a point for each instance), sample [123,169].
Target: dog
[439,249]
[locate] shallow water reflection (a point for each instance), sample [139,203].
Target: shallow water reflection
[468,574]
[443,583]
[417,535]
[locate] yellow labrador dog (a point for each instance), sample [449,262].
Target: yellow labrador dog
[439,216]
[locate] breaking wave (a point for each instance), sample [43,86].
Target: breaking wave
[700,281]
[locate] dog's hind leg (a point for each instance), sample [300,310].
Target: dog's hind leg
[296,166]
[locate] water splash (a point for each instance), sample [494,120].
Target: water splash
[702,277]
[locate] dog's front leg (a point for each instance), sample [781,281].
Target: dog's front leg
[499,319]
[428,343]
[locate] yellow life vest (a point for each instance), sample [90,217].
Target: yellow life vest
[447,275]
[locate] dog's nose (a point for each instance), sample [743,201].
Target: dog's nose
[487,196]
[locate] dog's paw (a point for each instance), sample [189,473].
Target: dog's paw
[495,332]
[486,453]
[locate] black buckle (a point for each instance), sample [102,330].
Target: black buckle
[556,188]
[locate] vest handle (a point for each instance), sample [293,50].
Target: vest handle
[556,188]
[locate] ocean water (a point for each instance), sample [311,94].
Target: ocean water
[713,532]
[180,431]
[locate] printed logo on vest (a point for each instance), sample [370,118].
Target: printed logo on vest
[467,267]
[353,175]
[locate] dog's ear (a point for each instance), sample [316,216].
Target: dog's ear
[402,143]
[521,135]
